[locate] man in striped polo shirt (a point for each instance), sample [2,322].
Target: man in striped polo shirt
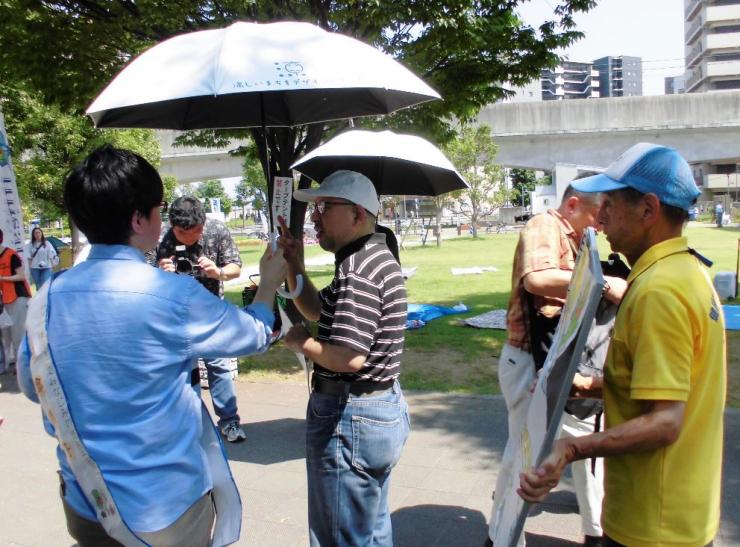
[357,418]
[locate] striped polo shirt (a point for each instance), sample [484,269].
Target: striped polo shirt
[364,309]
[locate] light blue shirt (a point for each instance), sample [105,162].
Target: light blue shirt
[124,337]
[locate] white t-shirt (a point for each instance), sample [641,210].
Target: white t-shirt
[43,257]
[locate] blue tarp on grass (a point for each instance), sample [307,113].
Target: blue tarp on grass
[732,317]
[420,314]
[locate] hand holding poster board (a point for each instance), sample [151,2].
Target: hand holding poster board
[553,386]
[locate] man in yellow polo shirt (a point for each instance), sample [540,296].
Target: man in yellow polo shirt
[665,375]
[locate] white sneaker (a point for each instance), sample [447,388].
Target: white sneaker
[233,432]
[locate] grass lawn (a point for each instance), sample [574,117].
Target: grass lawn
[444,356]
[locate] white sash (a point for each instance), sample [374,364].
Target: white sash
[54,404]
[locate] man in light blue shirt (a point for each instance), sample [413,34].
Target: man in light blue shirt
[124,338]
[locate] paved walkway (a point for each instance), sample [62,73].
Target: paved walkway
[440,494]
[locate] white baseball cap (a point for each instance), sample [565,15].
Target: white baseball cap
[349,185]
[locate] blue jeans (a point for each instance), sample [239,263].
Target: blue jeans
[222,390]
[40,276]
[352,443]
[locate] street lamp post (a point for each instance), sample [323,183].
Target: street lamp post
[729,195]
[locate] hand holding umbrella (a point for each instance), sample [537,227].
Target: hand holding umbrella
[292,249]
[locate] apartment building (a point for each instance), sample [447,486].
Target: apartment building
[619,76]
[570,80]
[712,50]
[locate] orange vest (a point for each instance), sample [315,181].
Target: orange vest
[10,294]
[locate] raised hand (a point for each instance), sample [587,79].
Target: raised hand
[273,269]
[292,248]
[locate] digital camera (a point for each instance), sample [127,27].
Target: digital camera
[186,262]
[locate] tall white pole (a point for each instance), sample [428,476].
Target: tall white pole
[11,216]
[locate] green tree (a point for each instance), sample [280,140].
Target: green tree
[214,189]
[466,49]
[242,198]
[253,180]
[523,182]
[48,141]
[473,153]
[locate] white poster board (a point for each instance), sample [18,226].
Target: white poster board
[282,194]
[553,386]
[11,217]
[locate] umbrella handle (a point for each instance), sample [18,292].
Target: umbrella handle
[298,278]
[295,293]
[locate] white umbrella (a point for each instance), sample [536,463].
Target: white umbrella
[397,164]
[252,75]
[256,75]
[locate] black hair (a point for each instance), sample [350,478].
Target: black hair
[106,189]
[1,236]
[674,215]
[187,212]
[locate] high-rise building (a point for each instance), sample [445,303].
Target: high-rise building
[712,34]
[675,84]
[570,80]
[619,76]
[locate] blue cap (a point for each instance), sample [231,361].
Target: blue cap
[650,169]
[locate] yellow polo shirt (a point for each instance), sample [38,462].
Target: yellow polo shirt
[668,345]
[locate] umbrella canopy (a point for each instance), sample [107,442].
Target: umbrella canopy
[397,164]
[251,75]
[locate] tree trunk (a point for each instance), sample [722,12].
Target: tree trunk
[284,151]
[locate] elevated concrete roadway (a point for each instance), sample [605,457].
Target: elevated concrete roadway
[704,127]
[193,163]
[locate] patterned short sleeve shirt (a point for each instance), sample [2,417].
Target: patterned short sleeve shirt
[216,243]
[547,241]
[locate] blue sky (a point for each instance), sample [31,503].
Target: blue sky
[651,29]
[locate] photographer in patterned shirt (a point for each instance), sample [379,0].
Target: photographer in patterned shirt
[204,249]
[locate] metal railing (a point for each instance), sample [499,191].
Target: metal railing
[693,30]
[691,9]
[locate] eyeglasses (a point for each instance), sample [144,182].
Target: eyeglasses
[320,206]
[163,207]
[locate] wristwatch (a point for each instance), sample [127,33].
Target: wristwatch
[221,274]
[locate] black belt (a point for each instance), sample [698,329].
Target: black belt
[319,384]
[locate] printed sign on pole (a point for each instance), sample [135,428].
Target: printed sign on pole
[553,387]
[215,205]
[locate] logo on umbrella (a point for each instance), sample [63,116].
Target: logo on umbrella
[288,69]
[290,74]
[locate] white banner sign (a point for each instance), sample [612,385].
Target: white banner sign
[282,194]
[11,217]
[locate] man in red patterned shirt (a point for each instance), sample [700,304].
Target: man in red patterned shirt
[543,264]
